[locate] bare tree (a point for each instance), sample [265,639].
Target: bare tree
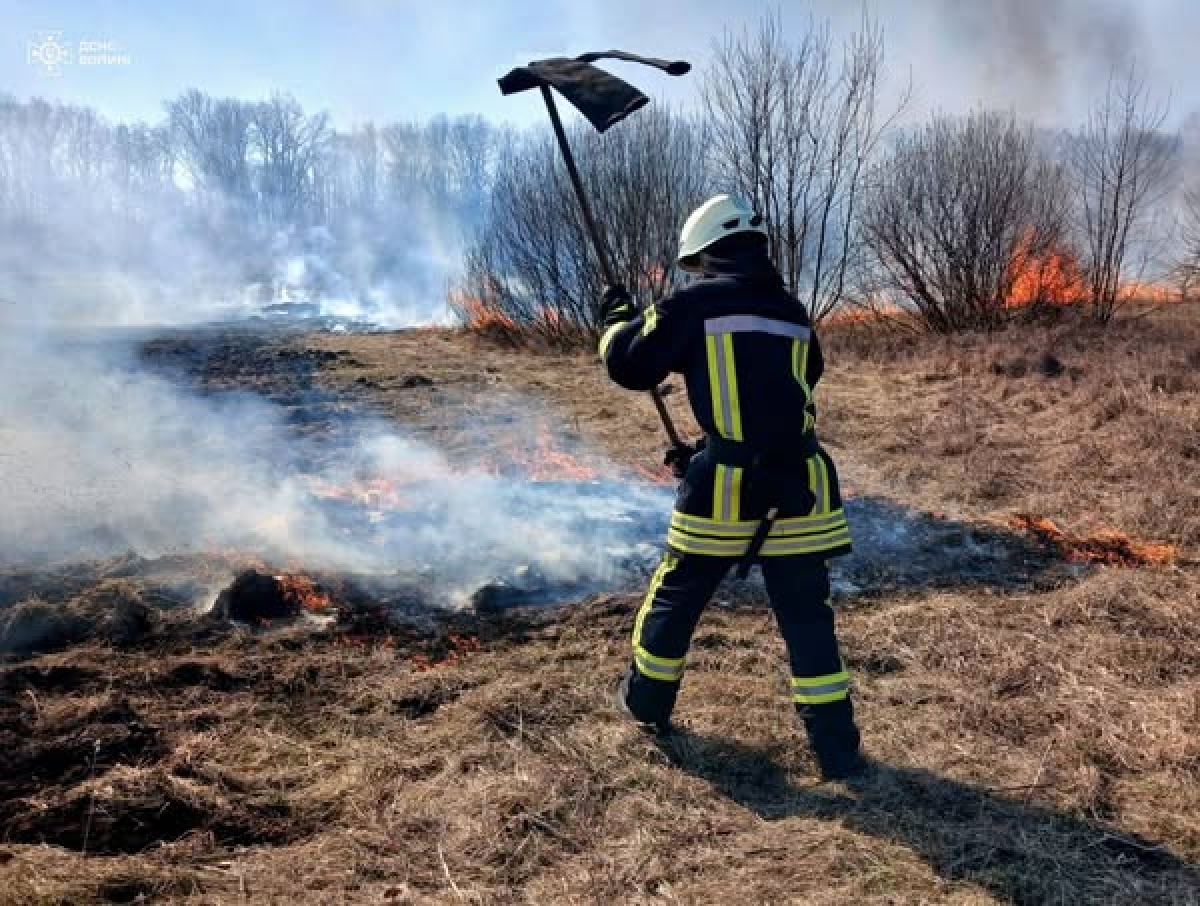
[1123,166]
[213,138]
[953,206]
[793,129]
[532,265]
[1187,269]
[287,147]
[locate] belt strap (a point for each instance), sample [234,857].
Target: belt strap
[742,455]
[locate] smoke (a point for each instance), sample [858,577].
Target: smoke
[101,457]
[1038,49]
[1047,60]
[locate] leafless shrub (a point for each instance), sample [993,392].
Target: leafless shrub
[1187,269]
[1122,168]
[794,129]
[532,267]
[951,207]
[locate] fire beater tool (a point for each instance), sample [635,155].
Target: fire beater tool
[604,100]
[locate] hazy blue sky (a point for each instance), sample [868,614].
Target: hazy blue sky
[399,59]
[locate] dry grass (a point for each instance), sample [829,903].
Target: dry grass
[1029,747]
[1095,428]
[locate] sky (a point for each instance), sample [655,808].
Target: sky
[387,60]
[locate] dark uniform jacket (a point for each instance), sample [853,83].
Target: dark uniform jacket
[750,359]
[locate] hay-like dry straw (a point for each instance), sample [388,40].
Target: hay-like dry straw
[1029,746]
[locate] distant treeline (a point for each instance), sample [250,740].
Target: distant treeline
[229,192]
[954,219]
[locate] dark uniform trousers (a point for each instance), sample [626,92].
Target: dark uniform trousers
[798,588]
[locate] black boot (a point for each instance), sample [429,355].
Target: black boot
[833,737]
[645,701]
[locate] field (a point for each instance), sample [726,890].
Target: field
[1032,726]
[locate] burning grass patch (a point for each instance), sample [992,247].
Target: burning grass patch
[1107,547]
[256,598]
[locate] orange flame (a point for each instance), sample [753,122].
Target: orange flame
[1144,291]
[454,650]
[542,460]
[481,313]
[550,464]
[1053,277]
[1107,546]
[304,592]
[376,493]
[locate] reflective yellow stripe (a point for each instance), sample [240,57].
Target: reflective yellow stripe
[607,338]
[666,663]
[687,544]
[723,385]
[794,525]
[714,386]
[718,510]
[812,682]
[800,362]
[783,547]
[821,490]
[735,405]
[727,494]
[820,690]
[800,371]
[650,316]
[665,566]
[665,669]
[666,676]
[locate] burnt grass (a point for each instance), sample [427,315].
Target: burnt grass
[1032,741]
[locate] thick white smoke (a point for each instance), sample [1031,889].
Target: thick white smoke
[100,457]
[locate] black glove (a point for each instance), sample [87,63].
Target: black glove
[616,305]
[680,457]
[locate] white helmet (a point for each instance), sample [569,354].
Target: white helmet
[720,216]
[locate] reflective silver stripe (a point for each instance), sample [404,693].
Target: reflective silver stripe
[724,507]
[756,324]
[655,671]
[839,686]
[783,528]
[822,489]
[690,544]
[807,545]
[723,365]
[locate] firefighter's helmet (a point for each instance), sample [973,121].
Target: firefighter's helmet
[720,216]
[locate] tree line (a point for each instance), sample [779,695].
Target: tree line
[226,191]
[944,218]
[954,221]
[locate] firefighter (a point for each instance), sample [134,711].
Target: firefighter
[757,488]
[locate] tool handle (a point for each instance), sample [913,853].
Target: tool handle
[756,543]
[589,222]
[668,424]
